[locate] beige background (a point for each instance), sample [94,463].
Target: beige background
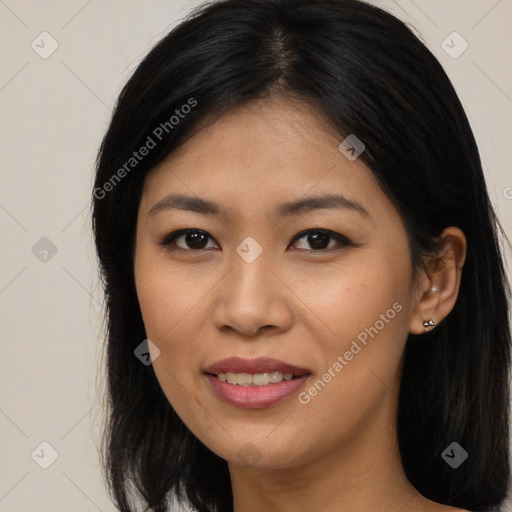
[54,112]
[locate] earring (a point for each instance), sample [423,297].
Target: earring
[429,324]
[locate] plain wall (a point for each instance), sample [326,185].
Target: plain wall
[54,112]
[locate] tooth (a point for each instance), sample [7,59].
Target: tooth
[257,379]
[275,377]
[260,379]
[244,379]
[232,378]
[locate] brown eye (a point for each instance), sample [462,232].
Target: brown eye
[319,239]
[193,239]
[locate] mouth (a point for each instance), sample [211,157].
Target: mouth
[261,371]
[255,383]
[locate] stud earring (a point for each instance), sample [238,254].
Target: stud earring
[429,324]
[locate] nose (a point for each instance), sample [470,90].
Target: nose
[252,298]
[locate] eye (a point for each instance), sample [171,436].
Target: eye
[197,240]
[319,240]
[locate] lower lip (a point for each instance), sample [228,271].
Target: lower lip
[253,397]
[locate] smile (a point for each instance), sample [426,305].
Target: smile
[255,396]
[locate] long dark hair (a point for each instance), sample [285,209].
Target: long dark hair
[371,76]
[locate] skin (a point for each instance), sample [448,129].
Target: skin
[339,451]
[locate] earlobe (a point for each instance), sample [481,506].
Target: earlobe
[439,288]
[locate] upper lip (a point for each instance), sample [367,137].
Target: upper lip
[258,365]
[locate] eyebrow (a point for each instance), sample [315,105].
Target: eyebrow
[287,209]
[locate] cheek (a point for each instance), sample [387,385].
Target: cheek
[360,366]
[173,306]
[169,308]
[347,299]
[167,297]
[366,309]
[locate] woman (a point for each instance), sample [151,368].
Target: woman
[293,227]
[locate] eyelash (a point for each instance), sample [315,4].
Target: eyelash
[342,240]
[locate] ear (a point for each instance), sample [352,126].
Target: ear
[437,287]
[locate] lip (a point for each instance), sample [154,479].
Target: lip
[255,397]
[252,366]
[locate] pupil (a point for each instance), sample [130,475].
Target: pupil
[318,240]
[194,241]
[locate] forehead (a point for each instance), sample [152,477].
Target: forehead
[259,154]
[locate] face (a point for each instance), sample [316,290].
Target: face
[326,287]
